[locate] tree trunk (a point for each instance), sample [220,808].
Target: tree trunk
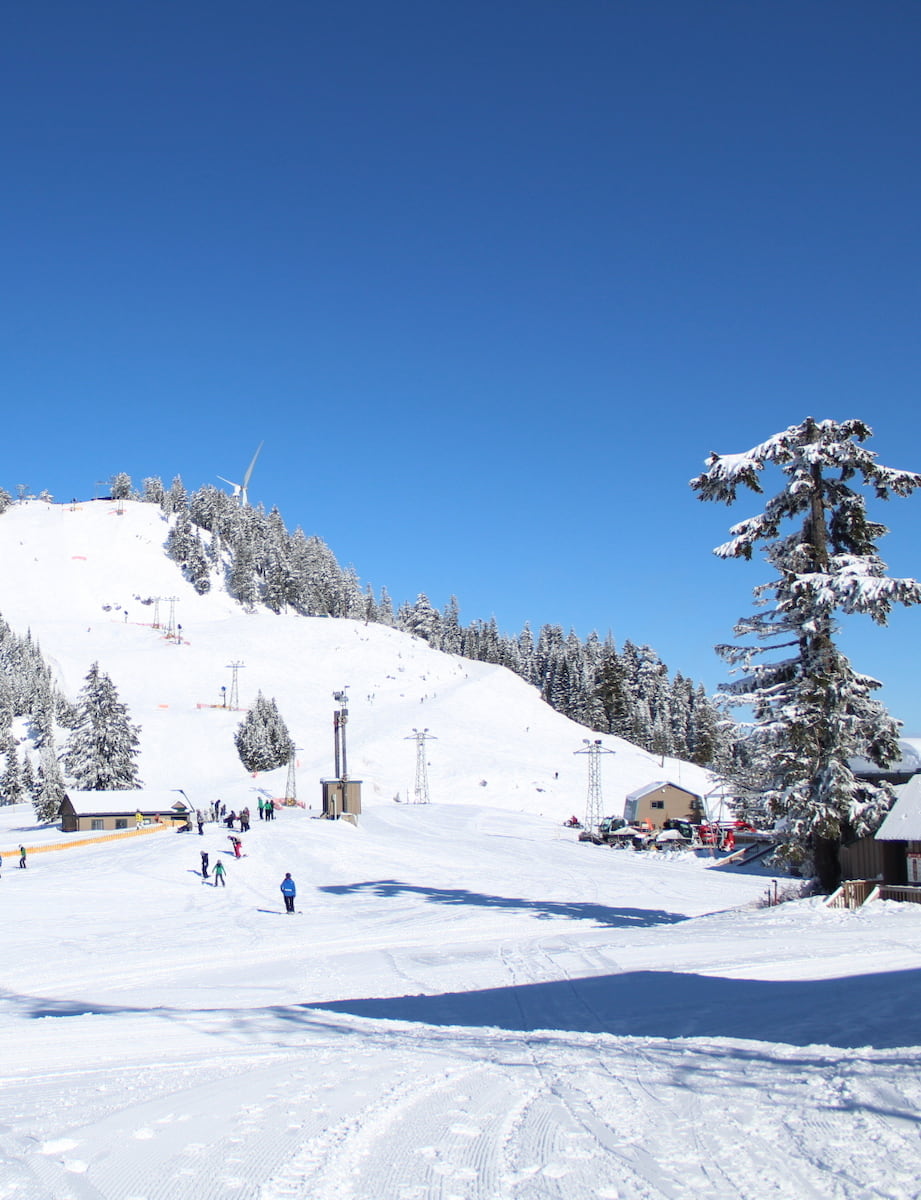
[827,863]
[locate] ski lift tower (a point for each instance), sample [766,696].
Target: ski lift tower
[234,699]
[291,782]
[421,789]
[593,807]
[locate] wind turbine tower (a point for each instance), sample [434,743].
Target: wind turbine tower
[241,490]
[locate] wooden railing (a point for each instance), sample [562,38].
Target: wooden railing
[900,891]
[851,894]
[856,892]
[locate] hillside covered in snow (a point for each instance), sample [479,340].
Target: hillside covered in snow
[91,581]
[466,1003]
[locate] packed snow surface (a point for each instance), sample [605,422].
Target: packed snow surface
[467,1004]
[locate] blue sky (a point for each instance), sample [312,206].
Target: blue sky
[490,279]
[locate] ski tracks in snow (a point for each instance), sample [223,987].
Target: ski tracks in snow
[360,1109]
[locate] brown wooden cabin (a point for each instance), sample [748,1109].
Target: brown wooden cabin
[661,802]
[108,811]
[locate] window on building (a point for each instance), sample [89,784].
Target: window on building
[97,823]
[657,804]
[121,822]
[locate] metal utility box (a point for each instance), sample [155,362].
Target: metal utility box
[341,796]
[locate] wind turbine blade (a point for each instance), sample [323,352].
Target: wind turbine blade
[230,481]
[249,469]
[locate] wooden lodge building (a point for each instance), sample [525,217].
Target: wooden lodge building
[661,802]
[106,811]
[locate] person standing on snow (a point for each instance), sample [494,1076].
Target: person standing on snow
[289,891]
[22,858]
[219,873]
[204,864]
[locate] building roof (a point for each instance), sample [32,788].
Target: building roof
[143,800]
[903,824]
[654,787]
[908,762]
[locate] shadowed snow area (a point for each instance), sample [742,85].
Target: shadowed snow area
[467,1003]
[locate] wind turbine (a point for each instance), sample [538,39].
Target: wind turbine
[242,489]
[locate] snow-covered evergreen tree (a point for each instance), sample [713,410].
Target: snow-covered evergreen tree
[11,781]
[153,490]
[120,486]
[812,711]
[243,585]
[385,608]
[27,776]
[49,790]
[183,545]
[103,746]
[422,620]
[262,739]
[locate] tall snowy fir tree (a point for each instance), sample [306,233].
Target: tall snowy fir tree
[262,739]
[812,712]
[103,746]
[11,780]
[49,788]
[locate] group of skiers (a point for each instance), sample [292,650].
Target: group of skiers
[217,813]
[288,888]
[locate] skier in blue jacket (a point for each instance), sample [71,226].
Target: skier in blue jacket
[289,891]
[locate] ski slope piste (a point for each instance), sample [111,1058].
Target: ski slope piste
[469,1003]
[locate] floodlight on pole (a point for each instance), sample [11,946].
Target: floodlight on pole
[340,720]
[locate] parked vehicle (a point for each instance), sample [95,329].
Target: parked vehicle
[603,833]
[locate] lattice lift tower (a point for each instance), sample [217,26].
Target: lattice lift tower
[234,701]
[594,810]
[421,789]
[291,782]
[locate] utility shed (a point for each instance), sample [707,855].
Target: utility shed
[341,796]
[900,834]
[82,811]
[663,801]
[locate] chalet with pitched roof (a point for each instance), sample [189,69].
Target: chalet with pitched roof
[82,811]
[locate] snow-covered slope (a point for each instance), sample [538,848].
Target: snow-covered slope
[82,577]
[466,1005]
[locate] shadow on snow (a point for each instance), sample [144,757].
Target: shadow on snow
[881,1011]
[603,914]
